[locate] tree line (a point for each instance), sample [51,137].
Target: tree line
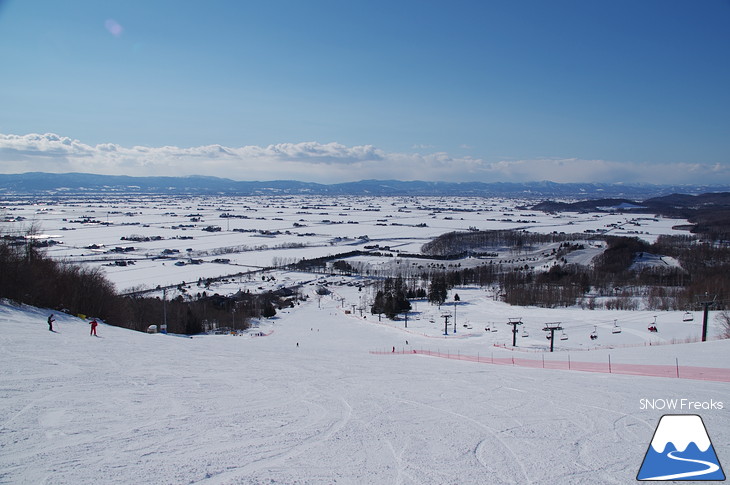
[613,281]
[29,276]
[704,268]
[475,242]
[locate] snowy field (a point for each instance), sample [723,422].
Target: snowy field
[309,404]
[261,231]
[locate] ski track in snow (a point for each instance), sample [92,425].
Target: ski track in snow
[223,410]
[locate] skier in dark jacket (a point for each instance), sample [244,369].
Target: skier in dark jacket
[50,322]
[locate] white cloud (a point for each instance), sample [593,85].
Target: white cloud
[327,163]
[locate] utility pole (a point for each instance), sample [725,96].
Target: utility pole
[706,302]
[552,327]
[455,303]
[514,322]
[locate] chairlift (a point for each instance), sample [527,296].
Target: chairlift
[494,329]
[548,336]
[652,326]
[594,334]
[563,336]
[616,328]
[688,317]
[524,333]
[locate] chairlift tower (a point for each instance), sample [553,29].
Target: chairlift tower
[514,322]
[552,327]
[707,302]
[446,323]
[164,306]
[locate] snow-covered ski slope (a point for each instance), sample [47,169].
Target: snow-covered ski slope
[126,407]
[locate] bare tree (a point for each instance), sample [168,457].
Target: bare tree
[724,319]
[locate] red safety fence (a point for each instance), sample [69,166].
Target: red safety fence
[608,367]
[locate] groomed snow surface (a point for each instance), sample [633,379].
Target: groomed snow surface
[309,404]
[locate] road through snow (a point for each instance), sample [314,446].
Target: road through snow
[216,410]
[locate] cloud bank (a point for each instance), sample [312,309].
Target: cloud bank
[328,163]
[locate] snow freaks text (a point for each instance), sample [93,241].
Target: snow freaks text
[677,404]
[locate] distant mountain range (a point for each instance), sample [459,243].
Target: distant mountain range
[36,183]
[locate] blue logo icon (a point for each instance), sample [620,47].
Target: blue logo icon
[681,450]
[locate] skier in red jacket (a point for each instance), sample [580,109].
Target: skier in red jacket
[93,324]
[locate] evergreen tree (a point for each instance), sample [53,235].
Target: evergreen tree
[378,303]
[268,310]
[437,290]
[392,299]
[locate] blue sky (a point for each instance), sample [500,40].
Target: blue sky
[569,91]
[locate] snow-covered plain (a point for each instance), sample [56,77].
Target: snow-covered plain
[309,403]
[267,229]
